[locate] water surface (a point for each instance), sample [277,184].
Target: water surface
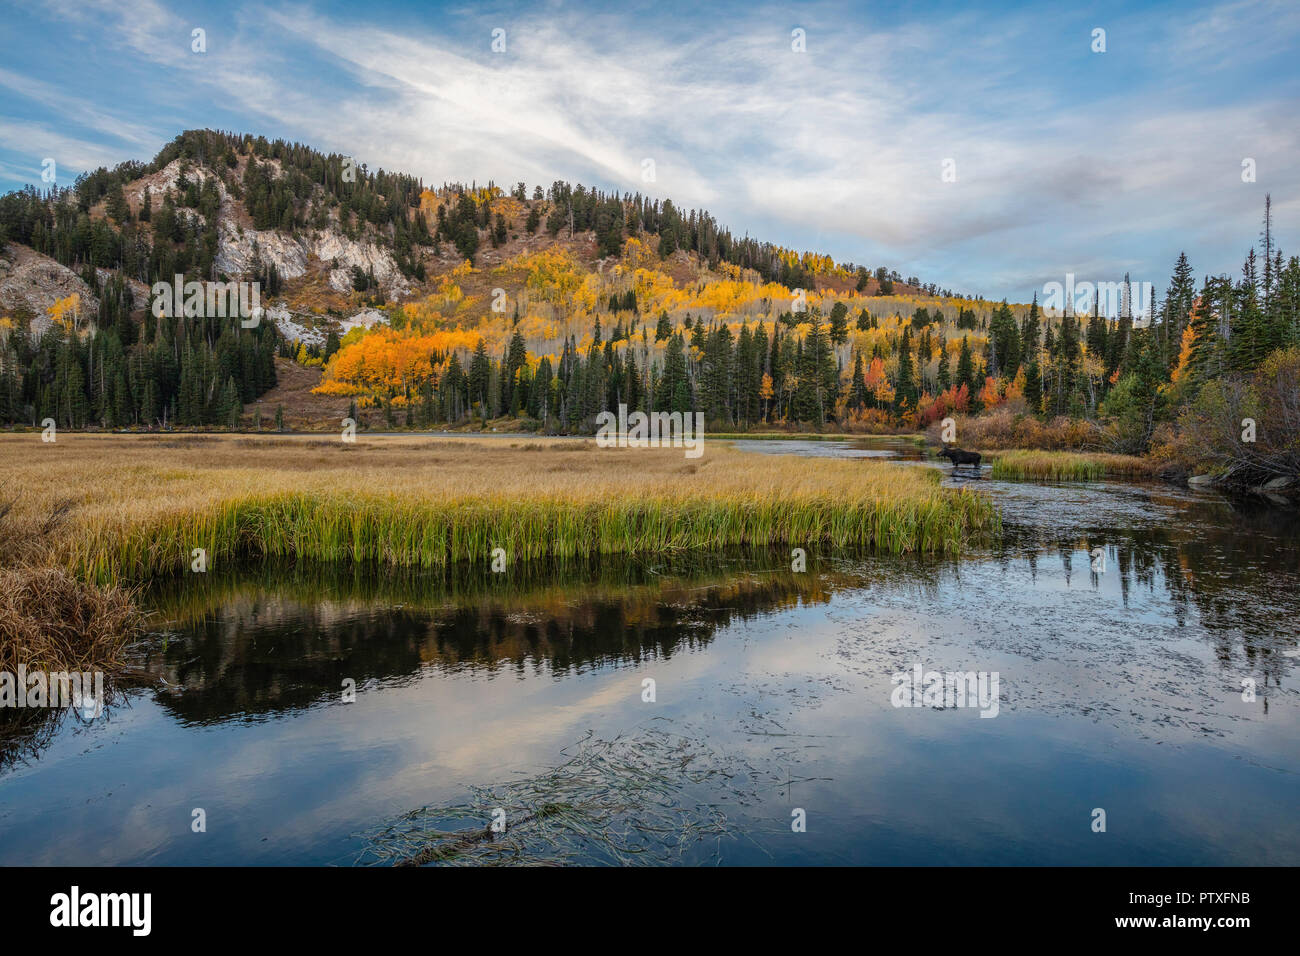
[1121,619]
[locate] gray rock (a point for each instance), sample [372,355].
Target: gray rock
[33,282]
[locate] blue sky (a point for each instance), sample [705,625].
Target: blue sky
[1066,160]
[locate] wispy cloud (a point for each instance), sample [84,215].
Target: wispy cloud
[69,109]
[1061,156]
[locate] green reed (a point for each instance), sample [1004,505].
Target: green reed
[400,531]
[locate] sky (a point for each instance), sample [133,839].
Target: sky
[989,148]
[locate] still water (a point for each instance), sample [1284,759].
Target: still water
[1120,620]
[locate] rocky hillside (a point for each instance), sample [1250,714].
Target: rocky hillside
[321,241]
[32,284]
[339,251]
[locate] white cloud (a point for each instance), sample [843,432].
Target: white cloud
[73,109]
[68,152]
[844,141]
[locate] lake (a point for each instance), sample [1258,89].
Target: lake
[1117,621]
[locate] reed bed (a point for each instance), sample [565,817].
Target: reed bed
[140,505]
[1068,466]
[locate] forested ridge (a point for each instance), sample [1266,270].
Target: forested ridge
[553,304]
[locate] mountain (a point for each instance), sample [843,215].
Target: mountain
[384,297]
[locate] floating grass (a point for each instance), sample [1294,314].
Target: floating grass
[649,797]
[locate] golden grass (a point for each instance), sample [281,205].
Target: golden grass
[141,504]
[1068,466]
[49,619]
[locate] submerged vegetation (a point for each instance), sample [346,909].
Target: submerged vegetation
[630,800]
[429,504]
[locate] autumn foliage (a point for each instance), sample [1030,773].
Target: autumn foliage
[954,400]
[387,361]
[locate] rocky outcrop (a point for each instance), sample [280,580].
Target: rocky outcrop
[365,319]
[344,254]
[239,249]
[1242,479]
[137,290]
[165,179]
[315,329]
[31,282]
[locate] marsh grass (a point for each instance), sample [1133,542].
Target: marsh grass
[1067,466]
[51,620]
[140,507]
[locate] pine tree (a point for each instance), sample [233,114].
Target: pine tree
[965,367]
[839,333]
[1178,308]
[858,386]
[905,390]
[1207,359]
[1248,337]
[1033,387]
[479,368]
[1030,331]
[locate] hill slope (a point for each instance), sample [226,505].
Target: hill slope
[391,296]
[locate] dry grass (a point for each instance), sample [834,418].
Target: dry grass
[140,504]
[1068,466]
[49,619]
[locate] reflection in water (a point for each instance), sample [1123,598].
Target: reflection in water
[1230,565]
[1121,687]
[25,732]
[277,637]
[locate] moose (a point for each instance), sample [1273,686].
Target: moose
[959,457]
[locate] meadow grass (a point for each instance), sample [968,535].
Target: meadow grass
[1068,466]
[138,506]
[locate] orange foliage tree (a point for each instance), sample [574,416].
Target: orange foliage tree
[388,362]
